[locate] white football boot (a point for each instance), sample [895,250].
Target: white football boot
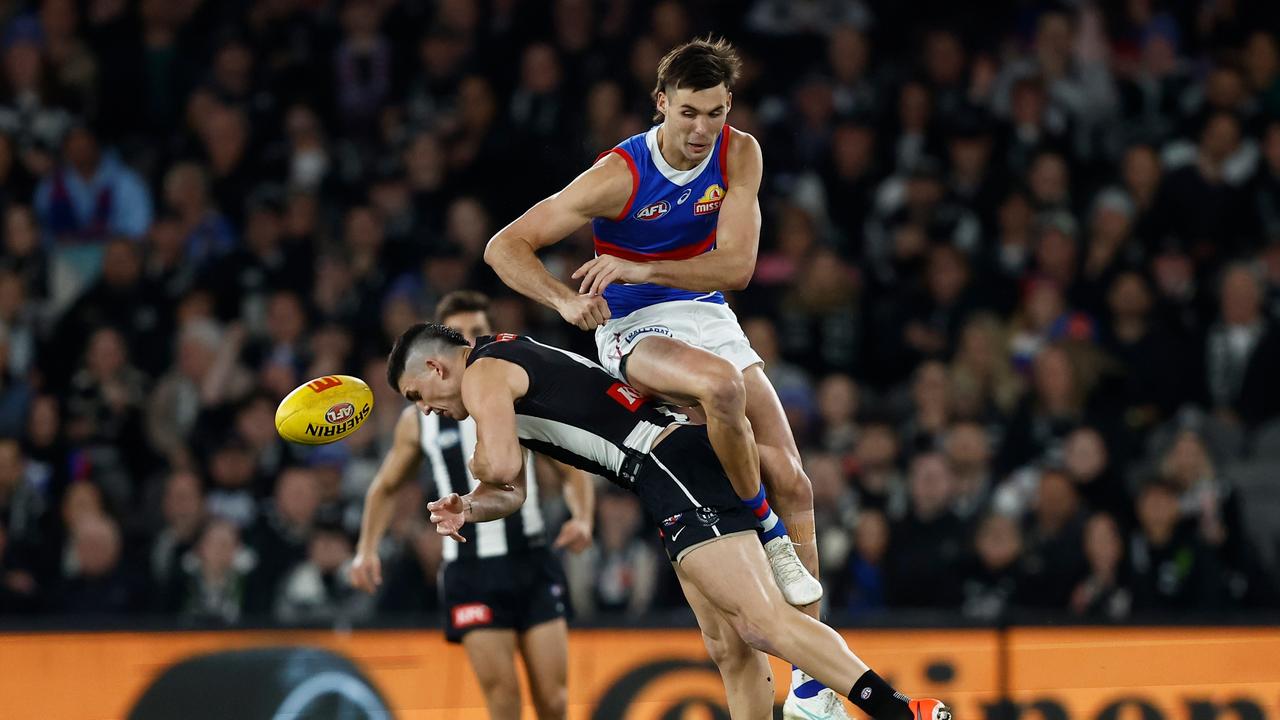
[825,705]
[797,585]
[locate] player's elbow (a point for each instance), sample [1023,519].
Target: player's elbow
[505,471]
[740,277]
[494,250]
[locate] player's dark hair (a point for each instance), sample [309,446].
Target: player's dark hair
[462,301]
[698,64]
[414,337]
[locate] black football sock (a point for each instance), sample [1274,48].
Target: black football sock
[876,698]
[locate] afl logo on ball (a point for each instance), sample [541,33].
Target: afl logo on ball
[654,211]
[339,412]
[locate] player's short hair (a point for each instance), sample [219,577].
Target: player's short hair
[431,337]
[699,64]
[462,301]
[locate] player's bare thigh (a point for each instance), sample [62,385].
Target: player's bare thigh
[492,656]
[668,369]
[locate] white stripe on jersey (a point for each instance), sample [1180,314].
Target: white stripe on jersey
[491,537]
[643,436]
[429,426]
[683,489]
[580,442]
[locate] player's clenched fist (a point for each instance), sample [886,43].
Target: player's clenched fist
[366,572]
[448,515]
[587,312]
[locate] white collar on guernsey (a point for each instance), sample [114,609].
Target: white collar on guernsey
[679,177]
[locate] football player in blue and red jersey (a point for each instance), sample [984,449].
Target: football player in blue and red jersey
[676,220]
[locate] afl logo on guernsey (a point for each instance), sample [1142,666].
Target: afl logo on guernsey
[710,200]
[654,211]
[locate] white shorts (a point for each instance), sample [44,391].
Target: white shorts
[710,326]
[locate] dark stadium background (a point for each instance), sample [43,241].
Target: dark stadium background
[1018,288]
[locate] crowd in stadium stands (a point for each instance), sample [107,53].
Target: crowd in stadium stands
[1018,287]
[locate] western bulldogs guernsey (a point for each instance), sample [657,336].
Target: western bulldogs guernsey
[671,215]
[575,411]
[448,445]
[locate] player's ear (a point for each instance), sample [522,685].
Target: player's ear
[728,103]
[434,365]
[662,102]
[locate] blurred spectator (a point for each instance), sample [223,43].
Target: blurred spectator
[834,506]
[24,497]
[1053,408]
[995,582]
[231,493]
[105,412]
[1054,559]
[93,195]
[362,67]
[224,137]
[17,585]
[30,110]
[969,451]
[930,411]
[983,384]
[1154,358]
[789,381]
[413,553]
[182,513]
[1207,209]
[280,535]
[1240,349]
[876,478]
[319,589]
[206,234]
[1087,461]
[617,575]
[1173,568]
[926,545]
[24,255]
[95,583]
[866,589]
[1105,593]
[209,587]
[205,376]
[838,403]
[121,299]
[15,393]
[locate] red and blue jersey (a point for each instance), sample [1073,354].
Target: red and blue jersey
[671,215]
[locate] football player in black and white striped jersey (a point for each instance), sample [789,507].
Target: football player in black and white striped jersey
[502,586]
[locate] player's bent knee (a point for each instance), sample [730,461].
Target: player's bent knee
[553,704]
[727,651]
[722,390]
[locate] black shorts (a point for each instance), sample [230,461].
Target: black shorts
[687,494]
[511,592]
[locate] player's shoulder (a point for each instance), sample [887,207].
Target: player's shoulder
[743,146]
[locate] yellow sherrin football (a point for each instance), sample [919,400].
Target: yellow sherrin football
[324,410]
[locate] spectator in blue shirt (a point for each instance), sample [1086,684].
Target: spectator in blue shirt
[92,194]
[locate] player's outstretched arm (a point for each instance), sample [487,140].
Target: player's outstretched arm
[733,261]
[602,191]
[490,388]
[400,464]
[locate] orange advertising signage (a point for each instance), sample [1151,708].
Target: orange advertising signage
[1048,674]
